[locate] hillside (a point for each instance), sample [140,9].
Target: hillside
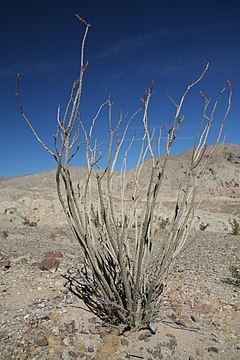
[34,197]
[200,314]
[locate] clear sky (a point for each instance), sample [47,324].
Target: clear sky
[130,43]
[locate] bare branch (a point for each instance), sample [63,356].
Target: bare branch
[28,122]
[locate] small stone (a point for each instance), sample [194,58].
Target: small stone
[66,341]
[2,255]
[90,348]
[144,335]
[41,305]
[134,353]
[191,358]
[5,264]
[193,318]
[55,331]
[40,339]
[3,335]
[124,342]
[72,354]
[49,264]
[213,349]
[3,235]
[153,328]
[237,307]
[70,327]
[53,254]
[184,322]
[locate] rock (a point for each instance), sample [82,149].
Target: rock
[3,335]
[72,354]
[49,264]
[70,327]
[40,339]
[90,348]
[183,322]
[53,254]
[3,235]
[193,318]
[2,255]
[144,335]
[66,341]
[213,349]
[236,307]
[124,342]
[153,328]
[135,354]
[5,264]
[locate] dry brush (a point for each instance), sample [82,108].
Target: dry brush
[126,268]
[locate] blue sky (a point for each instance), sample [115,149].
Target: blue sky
[130,43]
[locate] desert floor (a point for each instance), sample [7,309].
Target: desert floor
[41,319]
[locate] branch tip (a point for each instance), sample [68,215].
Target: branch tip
[84,68]
[229,85]
[82,20]
[203,96]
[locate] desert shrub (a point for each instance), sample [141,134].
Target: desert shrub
[203,226]
[235,226]
[126,269]
[164,223]
[235,274]
[29,223]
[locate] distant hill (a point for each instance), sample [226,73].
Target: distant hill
[34,197]
[222,176]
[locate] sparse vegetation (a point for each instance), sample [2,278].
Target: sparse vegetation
[126,270]
[29,223]
[235,272]
[164,223]
[235,226]
[203,226]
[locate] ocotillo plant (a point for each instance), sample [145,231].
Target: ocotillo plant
[126,268]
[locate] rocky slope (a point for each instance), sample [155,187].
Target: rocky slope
[41,319]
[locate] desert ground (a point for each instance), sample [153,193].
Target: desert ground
[200,315]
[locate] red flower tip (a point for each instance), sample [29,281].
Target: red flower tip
[85,66]
[229,85]
[79,18]
[202,95]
